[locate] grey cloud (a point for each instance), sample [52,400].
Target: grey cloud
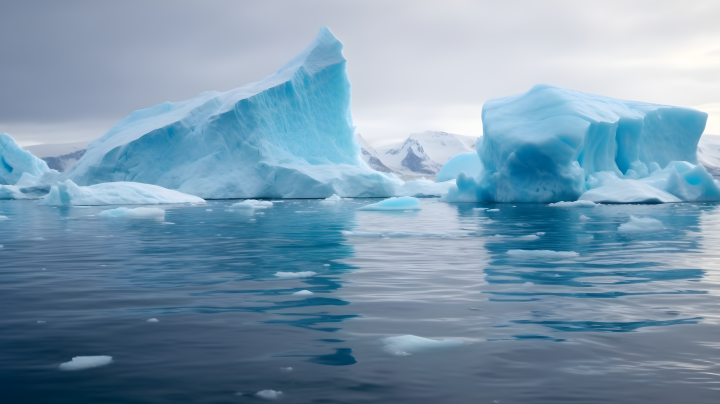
[64,62]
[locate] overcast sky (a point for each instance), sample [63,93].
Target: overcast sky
[70,70]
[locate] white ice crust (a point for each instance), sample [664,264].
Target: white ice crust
[67,193]
[552,144]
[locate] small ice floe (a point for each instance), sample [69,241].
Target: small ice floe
[404,345]
[153,320]
[134,213]
[269,394]
[38,239]
[583,218]
[401,203]
[252,204]
[86,362]
[640,224]
[41,321]
[208,210]
[306,211]
[303,293]
[2,246]
[529,237]
[526,284]
[493,210]
[333,200]
[293,275]
[286,370]
[3,218]
[542,254]
[480,209]
[573,204]
[326,265]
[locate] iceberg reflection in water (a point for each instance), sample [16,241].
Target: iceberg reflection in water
[581,304]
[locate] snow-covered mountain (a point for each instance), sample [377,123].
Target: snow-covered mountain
[421,154]
[60,156]
[370,156]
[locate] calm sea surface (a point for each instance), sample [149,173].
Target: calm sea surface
[633,318]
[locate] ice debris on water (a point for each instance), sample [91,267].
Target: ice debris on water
[573,204]
[252,204]
[332,200]
[493,210]
[134,213]
[3,218]
[153,320]
[303,293]
[404,345]
[287,369]
[583,217]
[640,224]
[291,275]
[86,362]
[401,203]
[269,394]
[542,254]
[208,210]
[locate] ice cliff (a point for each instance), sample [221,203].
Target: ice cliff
[22,175]
[552,144]
[290,135]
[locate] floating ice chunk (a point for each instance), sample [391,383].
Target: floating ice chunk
[326,265]
[480,208]
[303,293]
[574,204]
[2,246]
[404,345]
[526,284]
[41,321]
[136,213]
[542,254]
[86,362]
[3,218]
[628,191]
[252,204]
[306,211]
[640,224]
[493,210]
[401,203]
[208,210]
[583,218]
[114,193]
[292,275]
[269,394]
[331,200]
[286,370]
[153,320]
[529,237]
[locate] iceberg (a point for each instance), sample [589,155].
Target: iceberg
[289,135]
[468,163]
[22,175]
[86,362]
[67,193]
[552,144]
[401,203]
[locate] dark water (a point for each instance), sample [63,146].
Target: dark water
[632,319]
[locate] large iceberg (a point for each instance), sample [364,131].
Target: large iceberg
[290,135]
[552,144]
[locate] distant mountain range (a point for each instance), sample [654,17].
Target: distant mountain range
[59,156]
[420,155]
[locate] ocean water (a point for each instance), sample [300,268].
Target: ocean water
[630,318]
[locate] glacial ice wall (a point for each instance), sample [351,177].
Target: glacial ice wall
[290,135]
[552,144]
